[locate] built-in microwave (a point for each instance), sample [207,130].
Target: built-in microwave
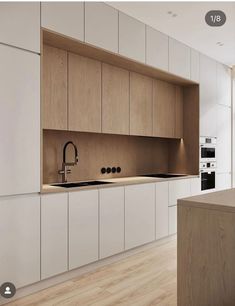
[207,149]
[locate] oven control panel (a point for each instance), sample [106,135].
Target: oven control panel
[207,165]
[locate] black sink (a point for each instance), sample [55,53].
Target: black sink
[164,175]
[81,184]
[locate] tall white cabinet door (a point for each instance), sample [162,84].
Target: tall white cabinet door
[195,65]
[54,234]
[179,58]
[20,25]
[139,215]
[83,228]
[20,240]
[162,191]
[66,18]
[111,221]
[131,38]
[208,105]
[19,121]
[223,181]
[157,48]
[172,220]
[224,85]
[101,26]
[178,189]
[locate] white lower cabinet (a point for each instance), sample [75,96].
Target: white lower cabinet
[111,221]
[83,228]
[178,189]
[172,220]
[223,181]
[20,240]
[195,186]
[162,191]
[139,215]
[54,234]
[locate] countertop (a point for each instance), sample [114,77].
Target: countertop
[46,188]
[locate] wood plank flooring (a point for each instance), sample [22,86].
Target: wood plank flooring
[145,279]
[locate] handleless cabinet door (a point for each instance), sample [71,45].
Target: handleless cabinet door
[223,181]
[162,195]
[101,26]
[111,221]
[83,228]
[139,215]
[179,58]
[54,234]
[223,85]
[172,220]
[195,65]
[115,100]
[179,112]
[84,94]
[66,18]
[131,38]
[195,186]
[20,25]
[19,121]
[178,189]
[141,104]
[20,240]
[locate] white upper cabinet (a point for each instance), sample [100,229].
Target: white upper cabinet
[157,48]
[20,25]
[101,26]
[178,189]
[208,105]
[195,66]
[223,85]
[66,18]
[19,121]
[131,38]
[179,58]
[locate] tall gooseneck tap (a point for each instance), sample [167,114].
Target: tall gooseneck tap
[64,171]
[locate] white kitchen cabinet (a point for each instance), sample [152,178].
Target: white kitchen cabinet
[83,228]
[208,105]
[179,58]
[161,196]
[111,222]
[101,25]
[172,220]
[157,48]
[131,38]
[19,121]
[195,66]
[223,85]
[195,186]
[20,240]
[223,181]
[20,25]
[178,189]
[54,234]
[139,215]
[223,148]
[66,18]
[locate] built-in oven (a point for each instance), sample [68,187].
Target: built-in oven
[207,149]
[207,179]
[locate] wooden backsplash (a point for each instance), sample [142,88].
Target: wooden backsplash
[135,155]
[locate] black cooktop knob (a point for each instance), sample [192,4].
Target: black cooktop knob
[109,170]
[103,170]
[114,170]
[119,169]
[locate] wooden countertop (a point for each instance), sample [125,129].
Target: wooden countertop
[125,181]
[221,200]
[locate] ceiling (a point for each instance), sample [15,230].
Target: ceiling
[189,25]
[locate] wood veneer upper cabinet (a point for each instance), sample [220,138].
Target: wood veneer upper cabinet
[115,100]
[54,88]
[141,104]
[163,109]
[179,117]
[84,82]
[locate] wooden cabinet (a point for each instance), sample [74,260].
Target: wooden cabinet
[139,215]
[163,109]
[111,222]
[172,219]
[179,58]
[157,48]
[131,38]
[115,100]
[54,234]
[208,105]
[83,228]
[66,18]
[179,112]
[101,25]
[223,85]
[195,66]
[141,103]
[20,240]
[19,121]
[20,25]
[161,196]
[178,189]
[84,85]
[54,88]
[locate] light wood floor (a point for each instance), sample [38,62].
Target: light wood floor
[144,279]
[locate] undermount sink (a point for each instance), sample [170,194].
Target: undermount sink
[81,184]
[164,175]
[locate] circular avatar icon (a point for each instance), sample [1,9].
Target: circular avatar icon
[7,290]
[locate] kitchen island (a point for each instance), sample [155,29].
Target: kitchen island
[206,249]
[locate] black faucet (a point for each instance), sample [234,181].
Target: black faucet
[66,164]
